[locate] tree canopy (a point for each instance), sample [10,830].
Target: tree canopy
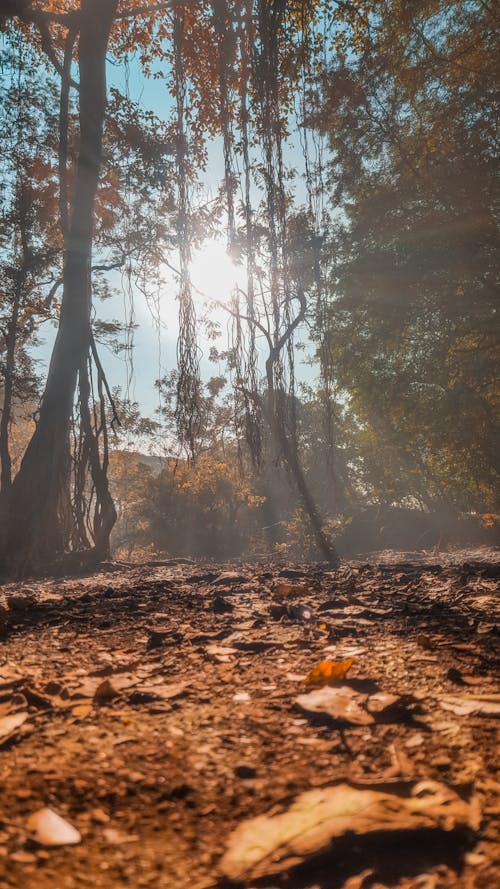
[359,193]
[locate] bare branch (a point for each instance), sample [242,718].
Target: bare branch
[52,292]
[103,379]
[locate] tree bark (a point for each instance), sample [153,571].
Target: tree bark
[31,524]
[8,392]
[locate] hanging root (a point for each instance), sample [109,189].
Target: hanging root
[188,409]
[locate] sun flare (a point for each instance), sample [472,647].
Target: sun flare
[214,275]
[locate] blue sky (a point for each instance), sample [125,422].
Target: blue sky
[213,276]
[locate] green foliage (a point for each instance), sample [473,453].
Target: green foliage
[414,328]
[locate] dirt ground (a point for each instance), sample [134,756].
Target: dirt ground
[157,707]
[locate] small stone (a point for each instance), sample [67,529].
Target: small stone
[49,829]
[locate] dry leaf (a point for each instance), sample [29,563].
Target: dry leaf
[464,705]
[163,691]
[23,857]
[220,653]
[329,671]
[81,710]
[284,590]
[10,724]
[105,692]
[424,641]
[118,837]
[271,844]
[342,703]
[348,705]
[49,829]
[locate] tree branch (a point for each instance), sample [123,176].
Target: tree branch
[150,10]
[102,377]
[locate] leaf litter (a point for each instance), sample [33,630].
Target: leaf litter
[183,739]
[270,844]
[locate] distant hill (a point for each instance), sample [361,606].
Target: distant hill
[154,463]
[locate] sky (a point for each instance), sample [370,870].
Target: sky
[213,276]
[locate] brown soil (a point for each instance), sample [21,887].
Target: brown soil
[160,705]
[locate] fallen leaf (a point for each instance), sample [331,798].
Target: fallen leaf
[382,703]
[163,691]
[415,740]
[220,653]
[253,646]
[81,710]
[10,724]
[329,671]
[49,829]
[105,692]
[21,602]
[222,606]
[23,857]
[343,703]
[242,696]
[99,816]
[358,708]
[270,844]
[118,837]
[284,590]
[464,705]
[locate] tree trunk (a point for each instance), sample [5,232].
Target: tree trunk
[288,445]
[289,451]
[31,524]
[10,362]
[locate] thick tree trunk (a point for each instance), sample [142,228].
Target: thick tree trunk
[31,525]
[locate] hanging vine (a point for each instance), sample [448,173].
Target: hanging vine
[282,303]
[188,412]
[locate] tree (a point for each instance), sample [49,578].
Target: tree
[30,239]
[413,318]
[31,521]
[254,55]
[33,526]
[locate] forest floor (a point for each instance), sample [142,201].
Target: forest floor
[159,708]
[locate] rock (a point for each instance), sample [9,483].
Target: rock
[49,829]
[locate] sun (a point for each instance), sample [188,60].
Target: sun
[214,275]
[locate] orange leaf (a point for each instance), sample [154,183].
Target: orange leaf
[329,671]
[284,590]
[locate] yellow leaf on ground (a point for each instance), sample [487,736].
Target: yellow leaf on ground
[327,672]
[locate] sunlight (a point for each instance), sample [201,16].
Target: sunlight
[214,275]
